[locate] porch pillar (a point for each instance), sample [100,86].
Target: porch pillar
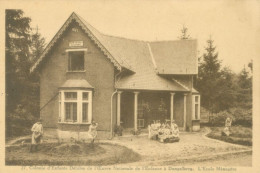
[172,106]
[135,109]
[118,112]
[184,111]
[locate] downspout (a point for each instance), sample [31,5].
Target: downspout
[111,116]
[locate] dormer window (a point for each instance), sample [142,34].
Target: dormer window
[76,61]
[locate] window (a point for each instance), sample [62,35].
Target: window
[75,106]
[196,107]
[71,112]
[76,61]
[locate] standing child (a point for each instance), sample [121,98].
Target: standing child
[37,132]
[92,131]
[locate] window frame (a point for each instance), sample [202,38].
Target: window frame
[68,51]
[79,101]
[194,103]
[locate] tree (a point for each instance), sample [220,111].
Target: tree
[227,96]
[184,33]
[245,89]
[250,65]
[17,53]
[38,44]
[17,63]
[209,77]
[37,47]
[22,88]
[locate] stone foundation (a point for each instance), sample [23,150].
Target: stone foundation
[67,136]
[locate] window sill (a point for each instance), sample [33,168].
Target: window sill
[74,123]
[76,71]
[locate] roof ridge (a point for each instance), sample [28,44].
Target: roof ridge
[131,39]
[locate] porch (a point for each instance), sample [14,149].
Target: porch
[137,109]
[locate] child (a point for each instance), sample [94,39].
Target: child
[37,132]
[92,131]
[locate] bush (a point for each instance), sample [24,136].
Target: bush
[242,116]
[239,116]
[220,118]
[19,122]
[136,132]
[118,130]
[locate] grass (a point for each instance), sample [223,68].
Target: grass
[70,154]
[239,135]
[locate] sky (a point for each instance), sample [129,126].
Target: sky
[231,24]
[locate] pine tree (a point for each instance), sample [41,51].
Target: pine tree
[184,33]
[228,90]
[17,55]
[38,44]
[17,64]
[245,89]
[209,77]
[22,88]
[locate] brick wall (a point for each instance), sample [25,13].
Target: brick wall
[99,73]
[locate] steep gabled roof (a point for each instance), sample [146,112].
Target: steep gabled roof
[148,60]
[95,35]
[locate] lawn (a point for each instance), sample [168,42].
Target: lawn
[239,135]
[70,154]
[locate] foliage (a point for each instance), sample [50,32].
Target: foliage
[239,116]
[38,44]
[227,90]
[221,89]
[209,77]
[22,88]
[22,121]
[184,33]
[136,132]
[242,116]
[244,81]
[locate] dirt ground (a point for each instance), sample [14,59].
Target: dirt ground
[192,149]
[190,145]
[236,160]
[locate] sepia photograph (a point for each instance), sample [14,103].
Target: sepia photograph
[130,85]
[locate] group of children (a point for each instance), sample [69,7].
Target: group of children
[167,132]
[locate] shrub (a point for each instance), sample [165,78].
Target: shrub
[19,122]
[220,118]
[118,130]
[242,116]
[239,116]
[136,132]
